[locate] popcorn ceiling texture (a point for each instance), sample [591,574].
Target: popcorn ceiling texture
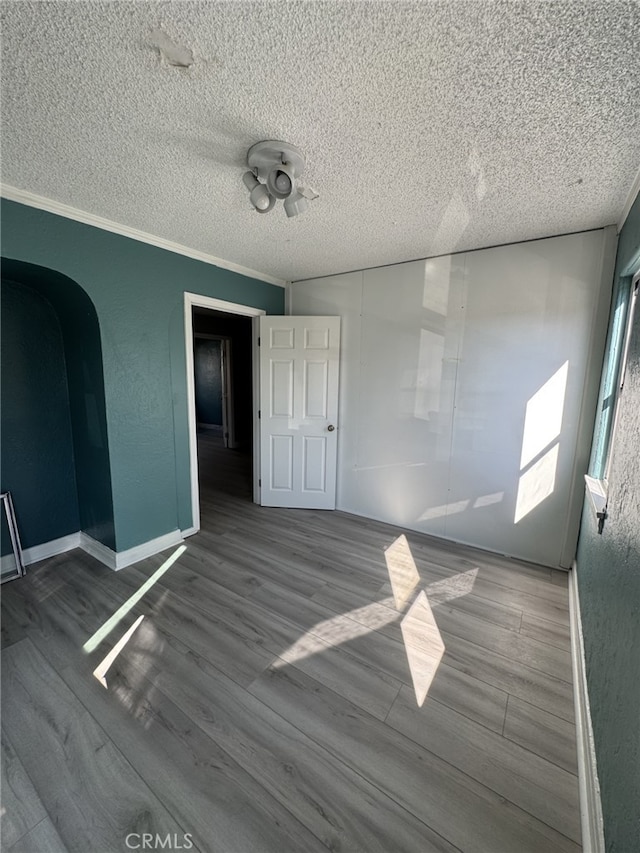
[427,127]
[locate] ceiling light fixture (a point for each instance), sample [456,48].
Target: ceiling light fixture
[275,166]
[295,204]
[259,195]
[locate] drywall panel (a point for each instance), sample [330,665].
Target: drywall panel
[528,312]
[462,393]
[409,343]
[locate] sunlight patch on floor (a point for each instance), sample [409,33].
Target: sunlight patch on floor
[403,573]
[423,645]
[100,672]
[423,642]
[340,629]
[448,589]
[94,641]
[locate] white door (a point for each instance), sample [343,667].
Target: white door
[298,411]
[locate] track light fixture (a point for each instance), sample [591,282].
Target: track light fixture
[280,181]
[295,204]
[258,194]
[275,166]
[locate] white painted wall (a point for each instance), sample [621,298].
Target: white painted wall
[467,390]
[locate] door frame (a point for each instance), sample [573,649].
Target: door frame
[196,300]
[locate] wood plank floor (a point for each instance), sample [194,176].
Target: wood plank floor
[298,681]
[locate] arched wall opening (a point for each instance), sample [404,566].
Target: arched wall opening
[55,450]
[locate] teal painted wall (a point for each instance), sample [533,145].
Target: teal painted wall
[207,362]
[37,461]
[609,582]
[83,359]
[137,291]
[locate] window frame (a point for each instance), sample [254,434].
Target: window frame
[622,372]
[619,343]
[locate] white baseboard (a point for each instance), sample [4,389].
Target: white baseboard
[112,559]
[51,548]
[189,531]
[590,804]
[96,549]
[8,565]
[147,549]
[117,560]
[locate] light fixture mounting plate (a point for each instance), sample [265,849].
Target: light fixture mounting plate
[264,156]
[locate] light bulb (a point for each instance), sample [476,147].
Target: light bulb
[259,195]
[283,182]
[260,199]
[280,181]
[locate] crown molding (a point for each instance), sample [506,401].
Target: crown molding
[51,206]
[633,192]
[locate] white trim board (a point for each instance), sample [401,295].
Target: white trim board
[117,560]
[7,564]
[68,212]
[51,548]
[192,300]
[114,560]
[589,786]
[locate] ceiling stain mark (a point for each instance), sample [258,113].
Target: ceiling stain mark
[172,53]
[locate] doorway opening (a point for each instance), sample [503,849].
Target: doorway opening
[221,380]
[222,356]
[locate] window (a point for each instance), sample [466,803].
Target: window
[632,295]
[612,389]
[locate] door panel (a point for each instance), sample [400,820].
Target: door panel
[299,359]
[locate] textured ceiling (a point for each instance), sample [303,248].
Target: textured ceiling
[427,127]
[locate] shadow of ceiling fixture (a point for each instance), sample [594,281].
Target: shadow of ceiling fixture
[275,167]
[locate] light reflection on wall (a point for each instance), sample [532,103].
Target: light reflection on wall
[452,226]
[543,418]
[542,426]
[444,509]
[487,500]
[429,374]
[455,507]
[437,280]
[536,484]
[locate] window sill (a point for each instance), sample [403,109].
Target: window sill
[597,493]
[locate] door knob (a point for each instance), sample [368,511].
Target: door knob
[330,428]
